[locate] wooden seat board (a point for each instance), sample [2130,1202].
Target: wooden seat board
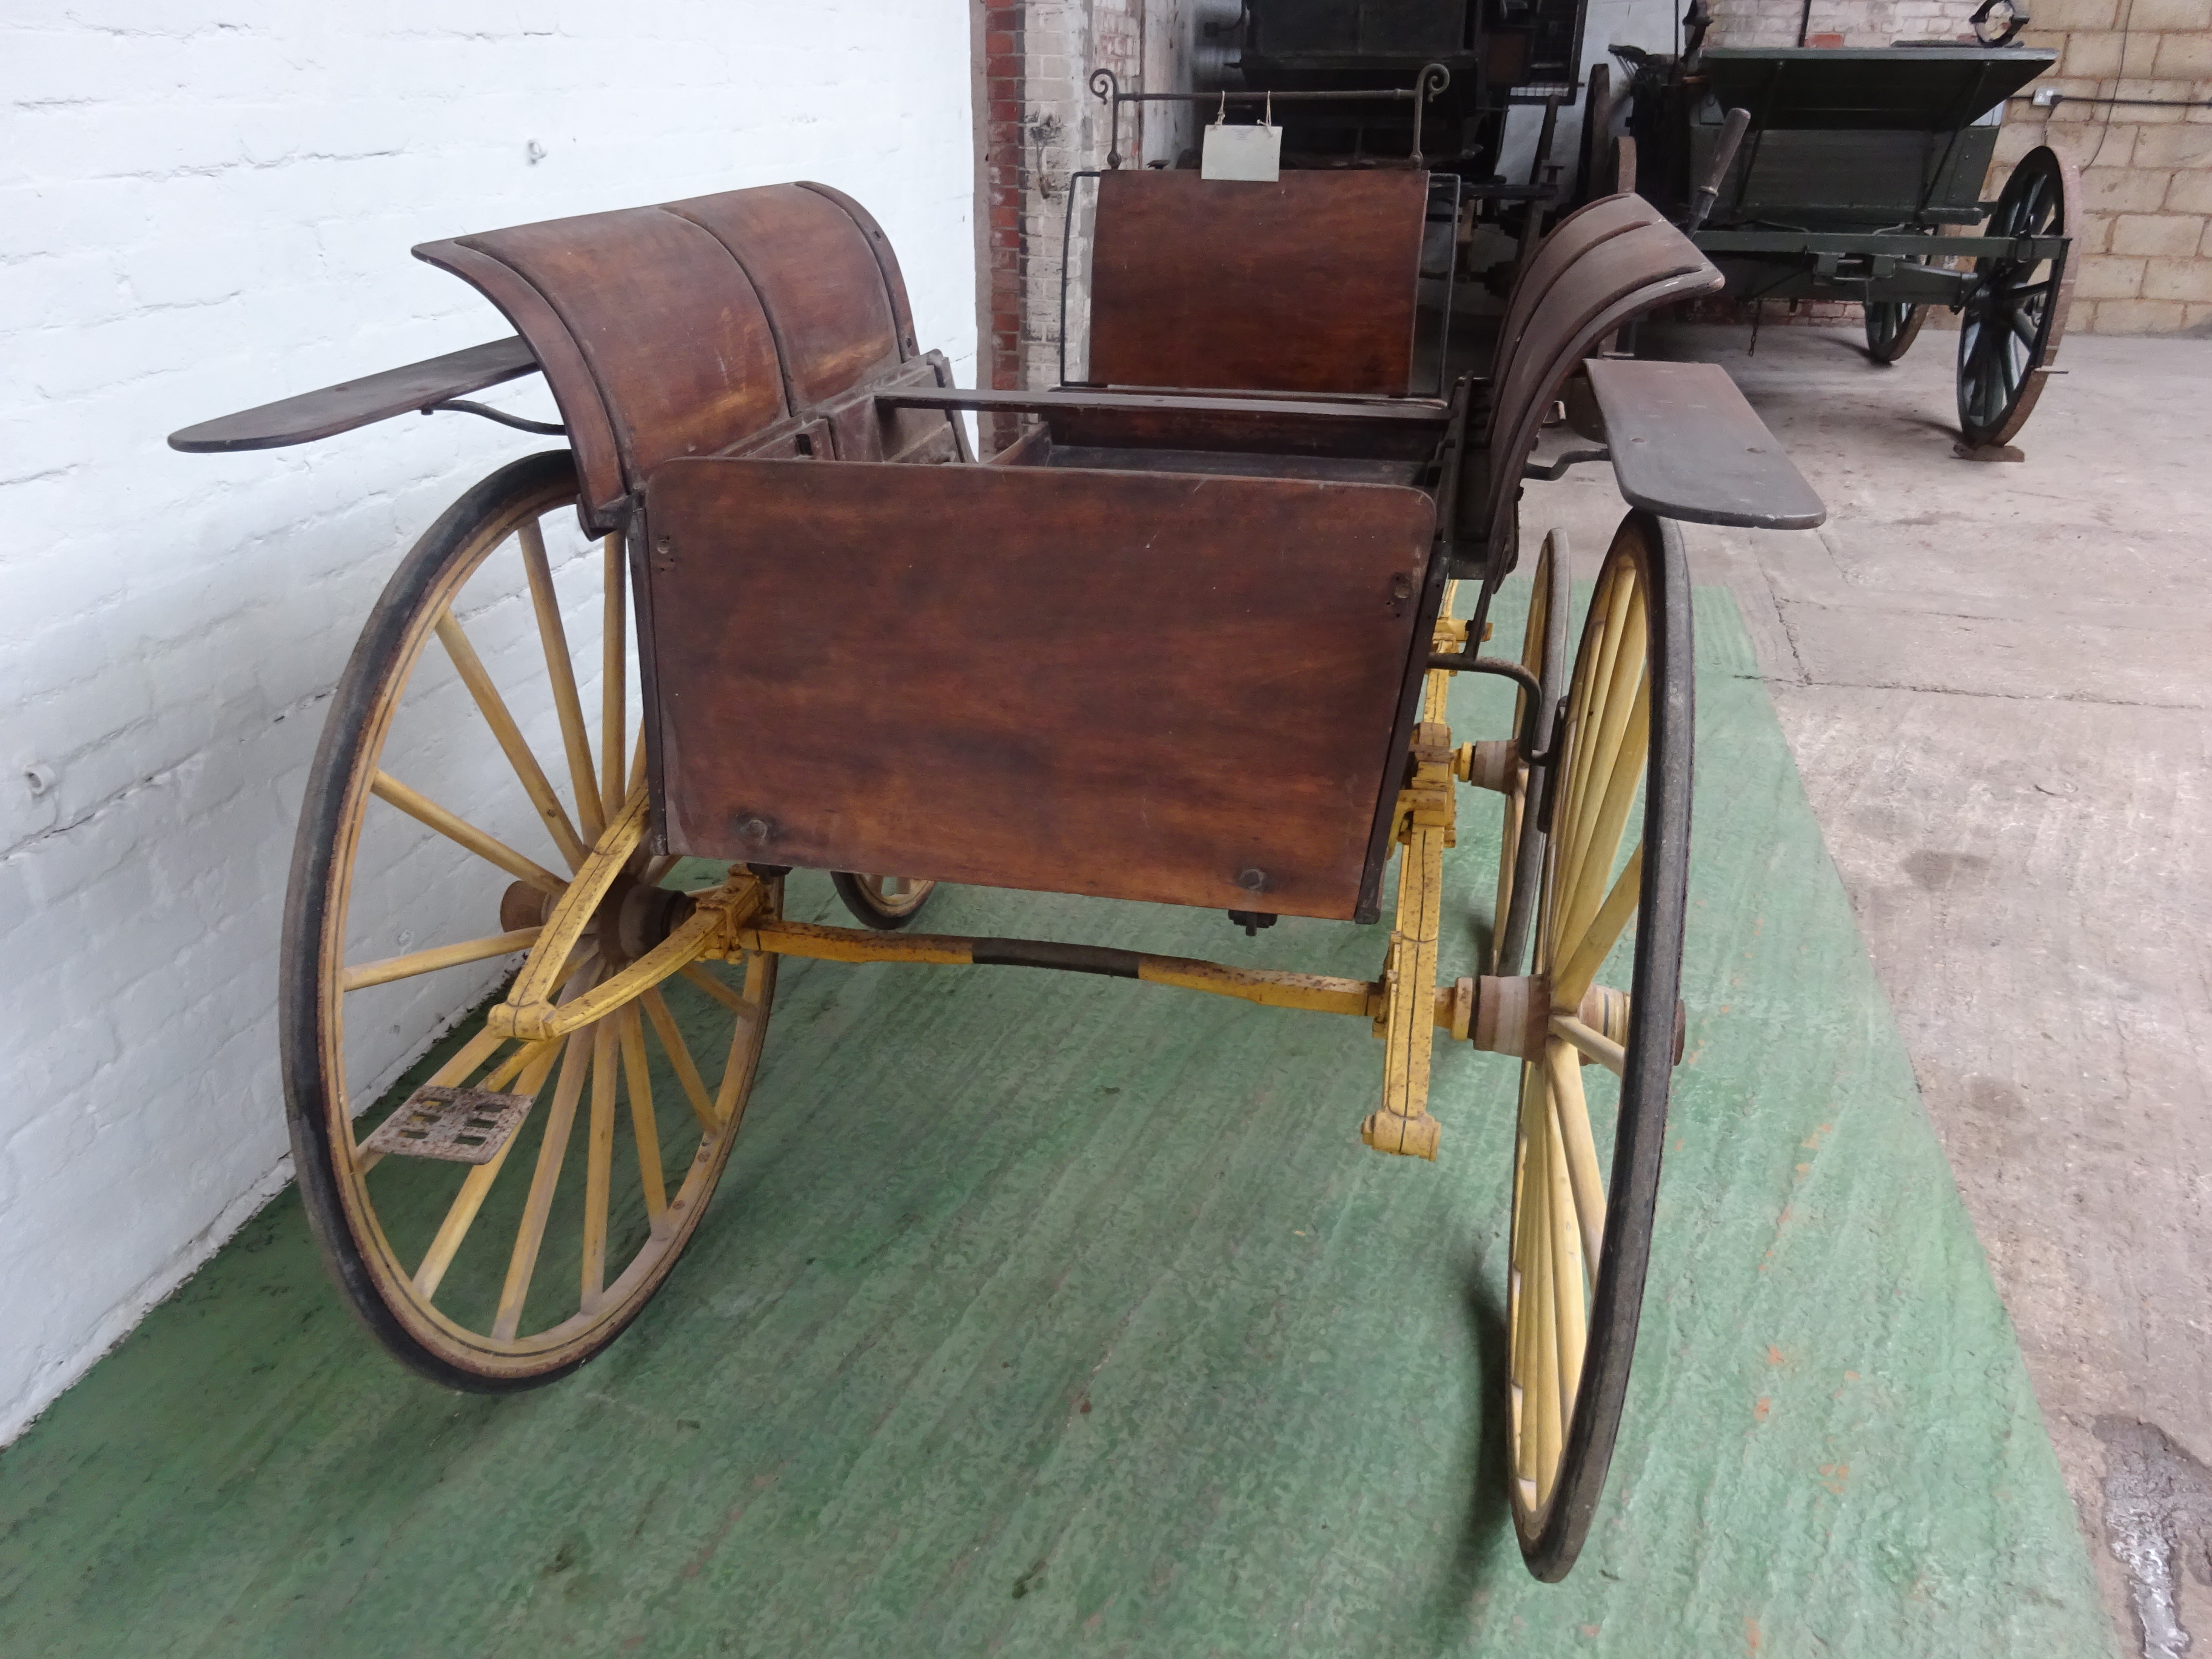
[1308,284]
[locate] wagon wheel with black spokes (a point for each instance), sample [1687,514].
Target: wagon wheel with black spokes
[2016,313]
[1580,1240]
[477,1241]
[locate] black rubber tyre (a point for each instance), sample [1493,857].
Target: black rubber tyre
[384,714]
[1552,1515]
[872,906]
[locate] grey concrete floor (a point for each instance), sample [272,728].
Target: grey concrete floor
[1994,678]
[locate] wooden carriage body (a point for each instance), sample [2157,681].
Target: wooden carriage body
[1169,647]
[1185,646]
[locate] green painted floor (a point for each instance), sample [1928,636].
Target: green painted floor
[1042,1314]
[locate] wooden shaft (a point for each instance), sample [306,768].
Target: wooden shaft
[1320,994]
[529,1000]
[425,810]
[681,945]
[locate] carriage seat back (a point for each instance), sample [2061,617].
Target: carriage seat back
[750,321]
[1307,283]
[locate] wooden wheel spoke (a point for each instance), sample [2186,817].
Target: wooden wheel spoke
[613,654]
[734,1001]
[459,830]
[1593,866]
[1624,685]
[1568,1109]
[1569,1311]
[637,1077]
[536,1065]
[383,972]
[679,1056]
[561,670]
[1542,1379]
[537,1207]
[1591,1045]
[1586,951]
[519,756]
[599,1160]
[1595,719]
[1520,1364]
[728,1106]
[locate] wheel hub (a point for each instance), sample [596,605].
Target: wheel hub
[629,921]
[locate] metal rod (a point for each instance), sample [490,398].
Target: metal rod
[1106,87]
[1273,988]
[1533,711]
[1558,470]
[2045,99]
[467,406]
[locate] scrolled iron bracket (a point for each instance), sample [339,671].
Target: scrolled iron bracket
[1106,86]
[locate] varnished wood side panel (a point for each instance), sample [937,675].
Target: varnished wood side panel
[1129,684]
[811,265]
[670,326]
[1307,284]
[575,390]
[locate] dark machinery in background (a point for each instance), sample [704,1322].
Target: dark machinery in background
[1498,53]
[1859,173]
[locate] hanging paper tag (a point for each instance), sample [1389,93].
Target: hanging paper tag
[1250,153]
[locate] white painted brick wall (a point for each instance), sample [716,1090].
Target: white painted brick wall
[206,208]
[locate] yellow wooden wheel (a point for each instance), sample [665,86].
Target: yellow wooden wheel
[1544,654]
[459,783]
[1580,1239]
